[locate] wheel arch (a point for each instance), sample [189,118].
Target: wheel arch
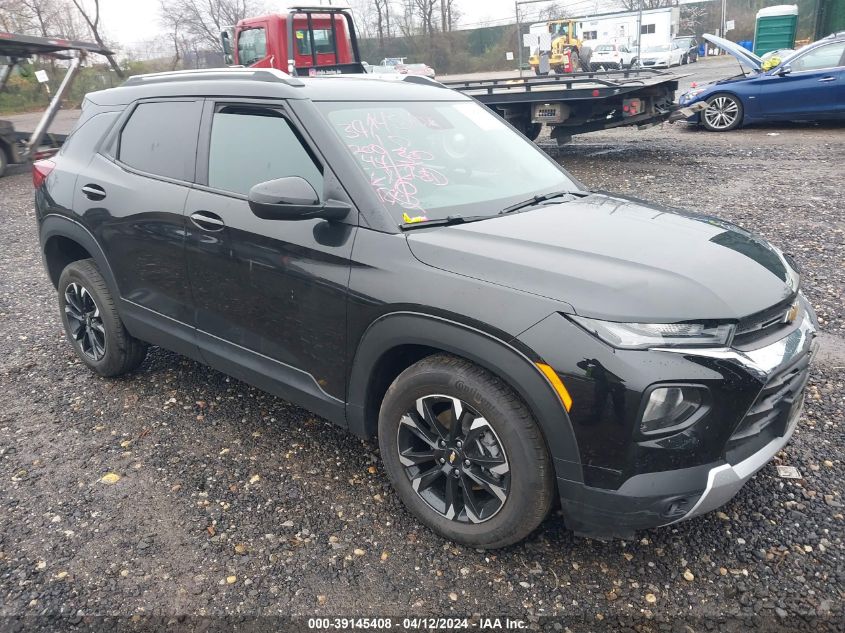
[64,241]
[397,340]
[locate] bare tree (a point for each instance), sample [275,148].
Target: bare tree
[92,19]
[692,16]
[634,5]
[426,12]
[204,19]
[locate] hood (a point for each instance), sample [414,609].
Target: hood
[617,259]
[743,55]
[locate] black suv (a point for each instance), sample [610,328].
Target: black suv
[396,258]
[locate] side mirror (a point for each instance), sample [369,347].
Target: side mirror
[292,198]
[783,71]
[226,42]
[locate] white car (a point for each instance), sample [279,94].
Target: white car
[609,56]
[663,55]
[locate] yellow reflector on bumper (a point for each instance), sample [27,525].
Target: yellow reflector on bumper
[560,388]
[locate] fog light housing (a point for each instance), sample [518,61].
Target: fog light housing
[670,408]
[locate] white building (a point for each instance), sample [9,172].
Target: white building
[658,26]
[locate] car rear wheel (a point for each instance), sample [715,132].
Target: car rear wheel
[92,324]
[464,453]
[723,113]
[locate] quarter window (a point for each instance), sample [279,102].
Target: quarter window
[253,145]
[161,138]
[252,46]
[827,56]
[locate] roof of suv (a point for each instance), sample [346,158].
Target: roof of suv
[272,83]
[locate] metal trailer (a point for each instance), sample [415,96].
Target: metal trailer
[18,147]
[577,103]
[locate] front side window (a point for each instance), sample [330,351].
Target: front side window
[250,145]
[161,138]
[429,160]
[827,56]
[252,46]
[323,41]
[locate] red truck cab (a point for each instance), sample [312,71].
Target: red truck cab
[305,41]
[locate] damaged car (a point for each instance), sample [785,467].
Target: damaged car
[806,85]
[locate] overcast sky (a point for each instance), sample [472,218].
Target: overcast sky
[132,21]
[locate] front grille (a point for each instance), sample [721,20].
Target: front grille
[772,411]
[763,323]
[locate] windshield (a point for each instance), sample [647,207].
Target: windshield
[431,159]
[660,48]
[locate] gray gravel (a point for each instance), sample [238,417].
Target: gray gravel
[232,502]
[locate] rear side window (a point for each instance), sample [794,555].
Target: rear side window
[323,42]
[88,133]
[253,145]
[161,138]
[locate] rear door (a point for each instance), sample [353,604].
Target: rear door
[814,89]
[132,197]
[270,295]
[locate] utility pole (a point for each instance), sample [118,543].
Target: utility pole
[722,31]
[518,35]
[640,34]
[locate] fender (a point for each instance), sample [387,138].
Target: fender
[54,225]
[499,357]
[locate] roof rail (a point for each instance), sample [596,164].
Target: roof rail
[216,74]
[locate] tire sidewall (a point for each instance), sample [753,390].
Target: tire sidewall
[525,479]
[74,273]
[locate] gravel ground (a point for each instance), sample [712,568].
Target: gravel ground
[234,503]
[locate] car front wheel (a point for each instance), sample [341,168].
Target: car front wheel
[723,113]
[464,453]
[92,324]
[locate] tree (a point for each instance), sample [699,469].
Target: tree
[203,20]
[92,19]
[425,10]
[634,5]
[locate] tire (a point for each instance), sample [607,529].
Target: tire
[92,324]
[4,160]
[724,113]
[509,497]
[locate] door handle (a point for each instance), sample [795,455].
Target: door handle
[208,221]
[826,79]
[94,192]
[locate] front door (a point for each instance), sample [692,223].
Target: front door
[270,295]
[814,89]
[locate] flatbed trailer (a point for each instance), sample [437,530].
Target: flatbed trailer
[19,147]
[576,103]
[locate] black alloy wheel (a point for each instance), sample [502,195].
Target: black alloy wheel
[85,324]
[453,459]
[464,453]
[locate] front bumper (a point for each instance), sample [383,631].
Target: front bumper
[760,429]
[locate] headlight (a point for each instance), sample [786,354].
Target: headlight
[693,93]
[649,335]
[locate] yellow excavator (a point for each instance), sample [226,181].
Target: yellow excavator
[565,53]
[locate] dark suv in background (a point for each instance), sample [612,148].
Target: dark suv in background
[690,47]
[396,258]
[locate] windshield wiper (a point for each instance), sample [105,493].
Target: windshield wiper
[540,199]
[447,221]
